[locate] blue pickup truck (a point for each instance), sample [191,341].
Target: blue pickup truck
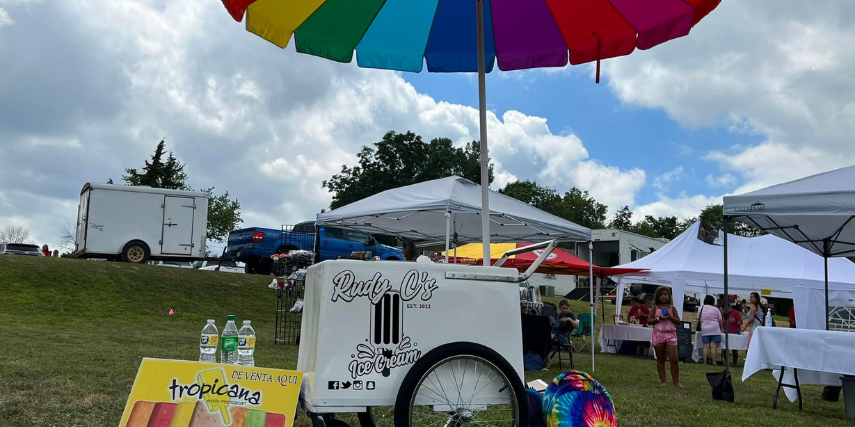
[255,246]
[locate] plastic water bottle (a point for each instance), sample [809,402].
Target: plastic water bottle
[246,345]
[229,342]
[208,343]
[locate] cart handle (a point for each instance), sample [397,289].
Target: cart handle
[549,245]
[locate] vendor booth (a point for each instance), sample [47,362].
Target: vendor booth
[767,265]
[818,214]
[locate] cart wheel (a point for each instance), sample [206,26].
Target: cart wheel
[458,384]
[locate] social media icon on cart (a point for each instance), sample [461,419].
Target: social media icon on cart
[369,385]
[333,385]
[357,385]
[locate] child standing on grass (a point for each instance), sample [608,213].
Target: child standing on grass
[664,319]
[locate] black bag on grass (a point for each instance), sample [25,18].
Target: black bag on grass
[722,386]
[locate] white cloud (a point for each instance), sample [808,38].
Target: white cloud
[5,19]
[663,182]
[775,69]
[726,180]
[265,124]
[682,207]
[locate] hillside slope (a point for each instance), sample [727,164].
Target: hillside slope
[79,330]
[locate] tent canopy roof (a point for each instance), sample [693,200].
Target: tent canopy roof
[558,262]
[418,212]
[765,262]
[805,211]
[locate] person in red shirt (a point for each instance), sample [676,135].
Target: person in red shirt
[46,251]
[640,313]
[734,326]
[792,316]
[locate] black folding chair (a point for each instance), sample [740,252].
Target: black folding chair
[558,346]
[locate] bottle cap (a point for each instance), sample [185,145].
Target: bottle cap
[230,317]
[246,322]
[212,321]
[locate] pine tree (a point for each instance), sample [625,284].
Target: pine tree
[157,173]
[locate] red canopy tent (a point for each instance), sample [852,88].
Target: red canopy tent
[558,262]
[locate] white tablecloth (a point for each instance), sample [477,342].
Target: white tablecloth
[737,342]
[611,336]
[820,356]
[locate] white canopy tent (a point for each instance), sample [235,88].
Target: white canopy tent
[418,212]
[816,213]
[768,265]
[810,211]
[842,299]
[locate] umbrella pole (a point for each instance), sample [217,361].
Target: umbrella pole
[485,159]
[727,298]
[591,297]
[825,257]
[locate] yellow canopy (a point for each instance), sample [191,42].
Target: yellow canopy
[475,250]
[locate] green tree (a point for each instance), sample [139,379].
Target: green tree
[644,228]
[664,227]
[543,198]
[223,213]
[684,224]
[400,159]
[576,205]
[622,219]
[159,174]
[715,213]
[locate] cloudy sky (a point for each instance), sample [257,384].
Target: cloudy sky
[761,92]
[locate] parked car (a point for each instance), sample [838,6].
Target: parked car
[221,266]
[255,246]
[20,249]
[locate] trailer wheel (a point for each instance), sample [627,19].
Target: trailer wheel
[461,383]
[135,252]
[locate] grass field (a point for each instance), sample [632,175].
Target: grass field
[79,329]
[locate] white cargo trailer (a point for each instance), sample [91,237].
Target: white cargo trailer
[138,224]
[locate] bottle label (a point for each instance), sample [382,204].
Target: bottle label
[246,342]
[230,343]
[210,339]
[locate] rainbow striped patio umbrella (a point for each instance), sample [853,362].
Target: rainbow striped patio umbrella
[470,35]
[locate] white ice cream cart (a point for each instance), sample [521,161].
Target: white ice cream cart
[441,343]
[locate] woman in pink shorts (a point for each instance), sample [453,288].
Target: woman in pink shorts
[664,318]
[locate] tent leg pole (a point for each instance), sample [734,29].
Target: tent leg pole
[447,235]
[485,157]
[602,300]
[727,298]
[825,257]
[591,295]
